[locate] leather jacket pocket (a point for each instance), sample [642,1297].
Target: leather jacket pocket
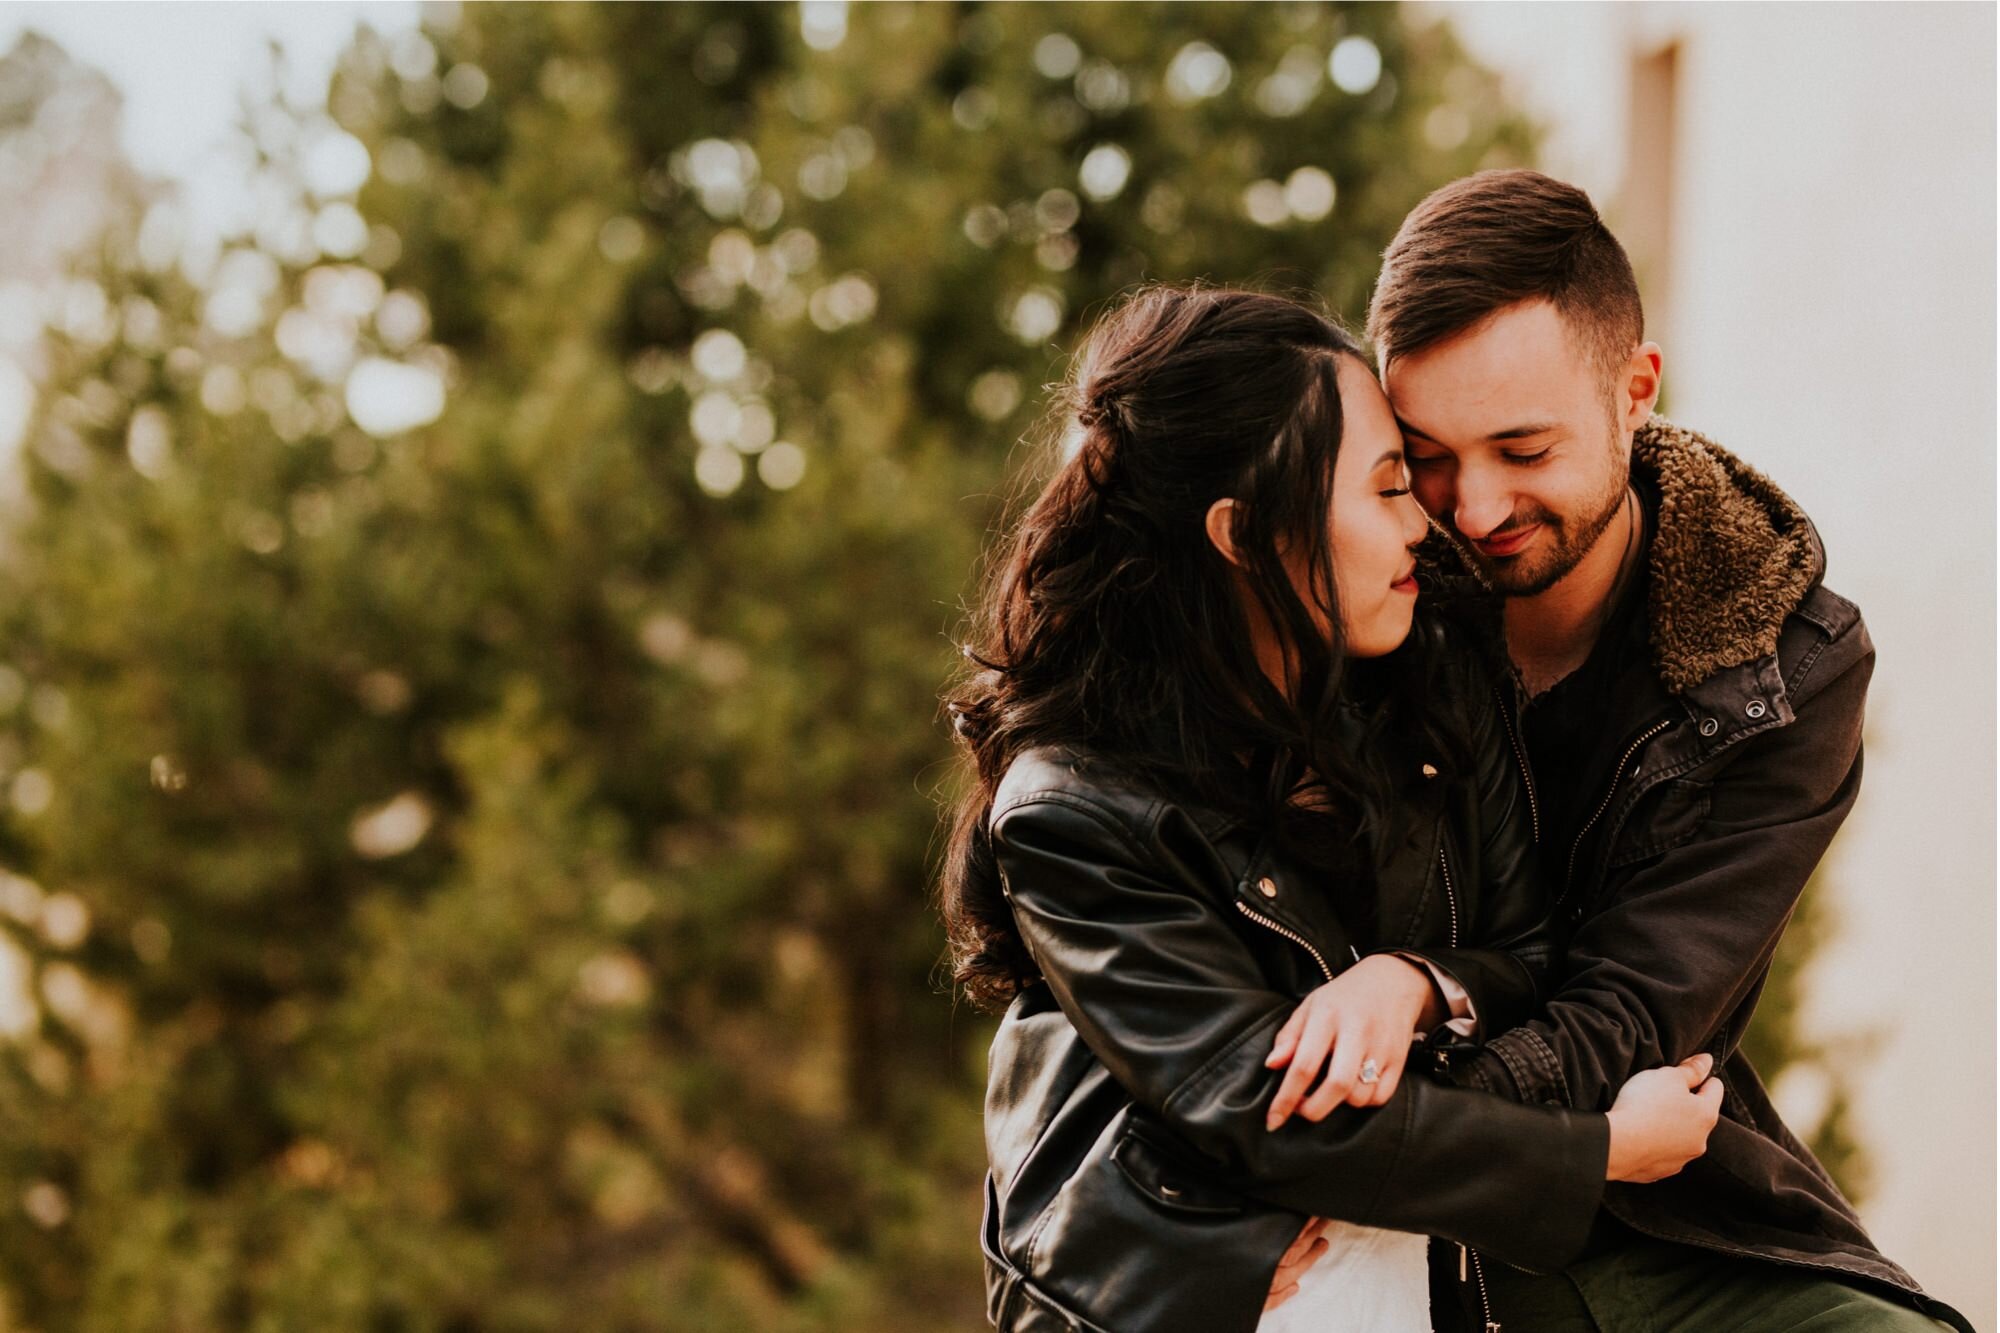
[1168,1183]
[1141,1235]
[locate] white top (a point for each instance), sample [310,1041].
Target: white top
[1368,1281]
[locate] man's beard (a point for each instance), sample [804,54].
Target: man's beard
[1527,574]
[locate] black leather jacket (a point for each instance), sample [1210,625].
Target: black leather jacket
[1132,1184]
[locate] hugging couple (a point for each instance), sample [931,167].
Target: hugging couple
[1389,782]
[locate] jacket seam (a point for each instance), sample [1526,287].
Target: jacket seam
[1554,1066]
[1110,821]
[1035,1238]
[1805,663]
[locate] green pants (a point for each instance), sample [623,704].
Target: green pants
[1651,1286]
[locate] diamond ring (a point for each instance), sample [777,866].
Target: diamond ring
[1370,1071]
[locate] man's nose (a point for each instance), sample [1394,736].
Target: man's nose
[1482,503]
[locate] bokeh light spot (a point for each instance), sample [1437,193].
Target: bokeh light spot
[465,86]
[1104,172]
[392,828]
[718,470]
[1309,194]
[387,397]
[1057,56]
[782,466]
[1355,65]
[1197,71]
[1035,315]
[823,23]
[1264,203]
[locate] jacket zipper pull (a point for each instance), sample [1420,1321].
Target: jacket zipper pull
[1462,1274]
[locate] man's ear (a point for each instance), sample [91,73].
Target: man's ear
[1640,389]
[1221,522]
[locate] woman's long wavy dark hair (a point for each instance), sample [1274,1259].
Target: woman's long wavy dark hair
[1110,622]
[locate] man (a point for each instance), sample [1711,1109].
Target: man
[1689,722]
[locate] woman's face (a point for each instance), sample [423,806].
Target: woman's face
[1374,521]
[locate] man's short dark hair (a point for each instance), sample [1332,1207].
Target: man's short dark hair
[1489,241]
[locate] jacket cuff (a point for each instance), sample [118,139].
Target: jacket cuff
[1463,1020]
[1520,1059]
[1501,985]
[1558,1229]
[1566,1150]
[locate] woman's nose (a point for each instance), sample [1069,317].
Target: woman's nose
[1415,525]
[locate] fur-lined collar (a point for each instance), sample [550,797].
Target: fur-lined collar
[1732,556]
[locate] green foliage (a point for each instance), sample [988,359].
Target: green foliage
[502,843]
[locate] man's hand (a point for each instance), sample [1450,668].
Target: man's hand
[1369,1012]
[1303,1254]
[1661,1120]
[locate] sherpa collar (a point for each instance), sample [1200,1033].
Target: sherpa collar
[1732,556]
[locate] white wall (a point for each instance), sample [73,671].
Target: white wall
[1831,318]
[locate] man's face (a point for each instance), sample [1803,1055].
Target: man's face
[1515,440]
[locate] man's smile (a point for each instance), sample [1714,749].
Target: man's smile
[1506,543]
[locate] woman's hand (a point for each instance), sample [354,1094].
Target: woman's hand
[1661,1120]
[1368,1012]
[1303,1254]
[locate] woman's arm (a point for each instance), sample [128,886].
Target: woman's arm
[1144,957]
[1499,974]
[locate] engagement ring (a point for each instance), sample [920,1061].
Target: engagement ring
[1370,1071]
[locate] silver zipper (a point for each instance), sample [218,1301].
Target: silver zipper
[1569,875]
[1485,1305]
[1450,897]
[1527,774]
[1288,933]
[1466,1252]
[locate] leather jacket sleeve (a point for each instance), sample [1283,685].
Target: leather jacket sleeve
[1506,975]
[1126,911]
[1668,960]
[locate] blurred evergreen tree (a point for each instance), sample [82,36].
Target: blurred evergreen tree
[471,641]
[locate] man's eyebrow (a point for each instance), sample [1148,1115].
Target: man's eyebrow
[1520,432]
[1523,432]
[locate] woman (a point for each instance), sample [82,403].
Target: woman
[1213,767]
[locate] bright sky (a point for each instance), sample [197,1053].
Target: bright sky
[183,66]
[182,69]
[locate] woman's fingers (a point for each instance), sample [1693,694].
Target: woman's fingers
[1285,1282]
[1308,1233]
[1291,1273]
[1306,1062]
[1349,1048]
[1287,1039]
